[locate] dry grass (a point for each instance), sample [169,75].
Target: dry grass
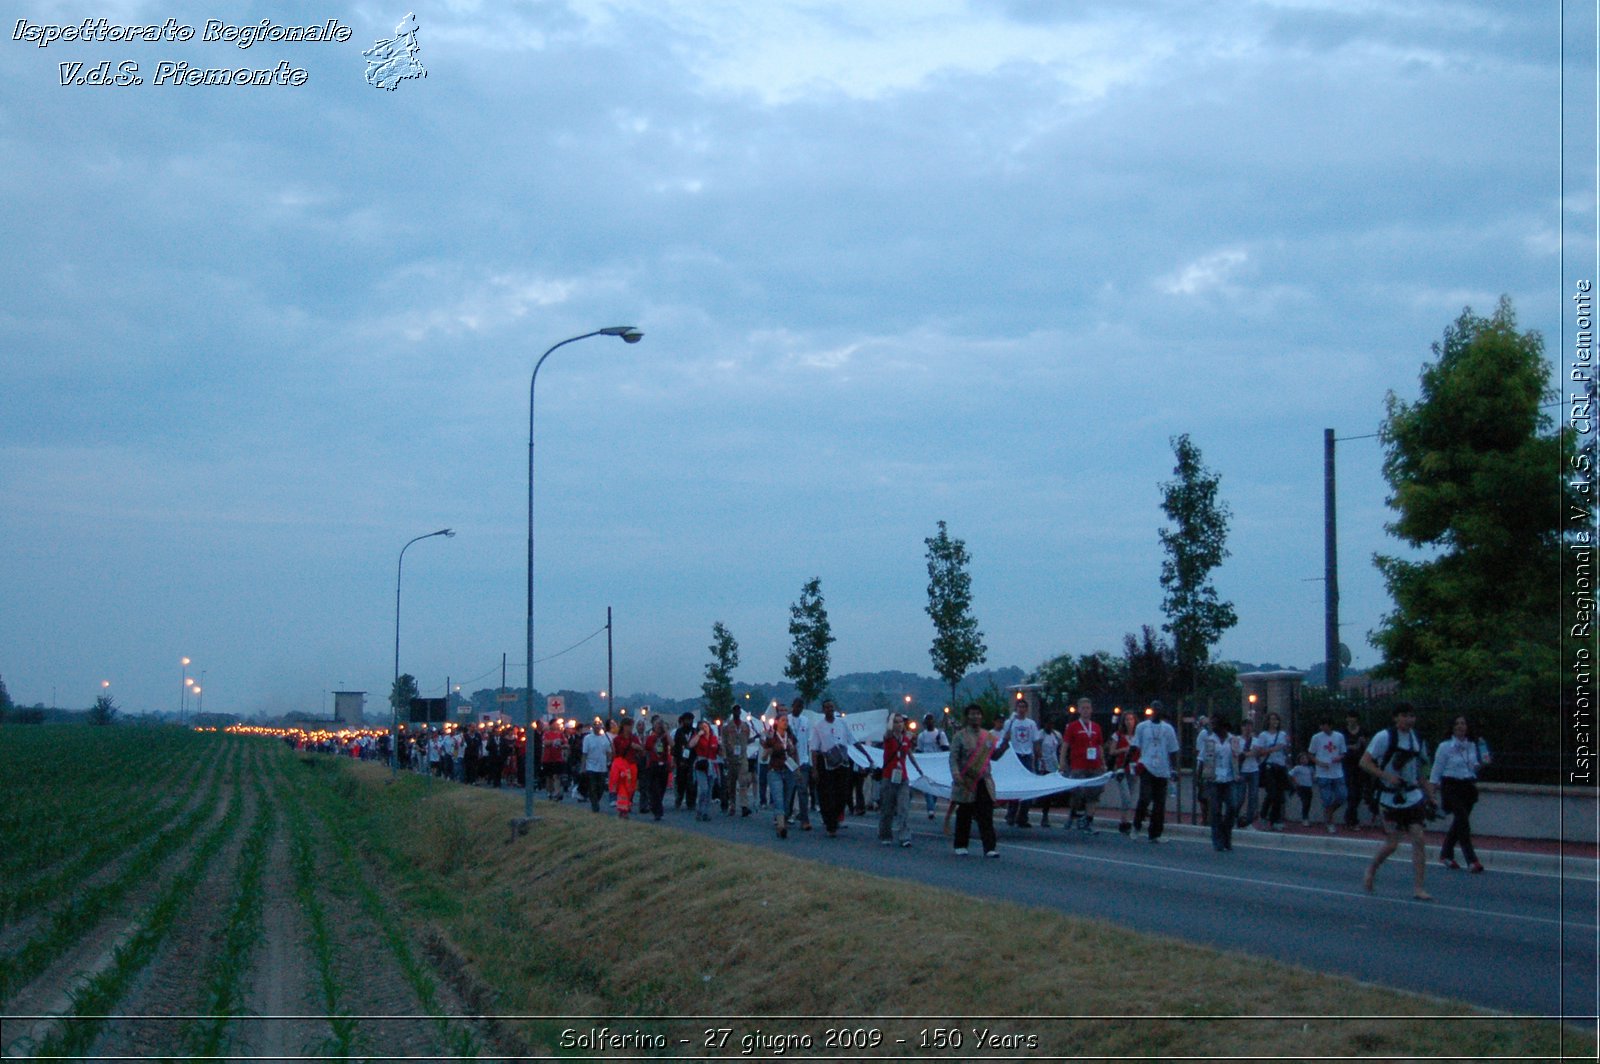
[590,916]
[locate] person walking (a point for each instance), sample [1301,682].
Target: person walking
[1157,744]
[971,785]
[705,749]
[657,766]
[800,793]
[683,762]
[1394,758]
[1327,759]
[1455,773]
[1249,777]
[894,792]
[830,760]
[1271,748]
[1219,767]
[596,761]
[626,754]
[931,742]
[735,739]
[1358,786]
[1124,757]
[779,756]
[1021,733]
[1085,759]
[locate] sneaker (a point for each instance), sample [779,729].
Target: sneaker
[992,853]
[885,842]
[906,845]
[1304,823]
[805,827]
[1475,867]
[1158,839]
[1125,829]
[1450,863]
[930,816]
[961,851]
[1024,824]
[1332,830]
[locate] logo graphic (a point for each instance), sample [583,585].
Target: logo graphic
[392,61]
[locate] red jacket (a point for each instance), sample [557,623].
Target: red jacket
[1085,747]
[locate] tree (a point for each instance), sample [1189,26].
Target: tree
[957,643]
[1150,663]
[1059,678]
[1473,467]
[1196,617]
[104,711]
[808,653]
[5,700]
[404,690]
[718,687]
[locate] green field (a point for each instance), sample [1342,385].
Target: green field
[176,895]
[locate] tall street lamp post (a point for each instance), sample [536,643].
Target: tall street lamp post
[394,710]
[629,335]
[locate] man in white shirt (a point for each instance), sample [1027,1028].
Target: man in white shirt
[596,762]
[1023,735]
[1395,757]
[1327,759]
[801,794]
[1158,766]
[830,758]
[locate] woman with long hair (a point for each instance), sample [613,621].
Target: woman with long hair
[1455,773]
[1271,748]
[1124,758]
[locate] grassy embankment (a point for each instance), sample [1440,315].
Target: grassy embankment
[593,917]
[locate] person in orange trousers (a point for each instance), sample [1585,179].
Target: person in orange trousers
[626,752]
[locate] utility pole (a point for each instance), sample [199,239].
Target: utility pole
[611,687]
[1330,541]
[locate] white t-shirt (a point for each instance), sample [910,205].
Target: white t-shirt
[1223,756]
[1023,733]
[1410,774]
[1273,738]
[596,747]
[1327,754]
[826,736]
[1157,742]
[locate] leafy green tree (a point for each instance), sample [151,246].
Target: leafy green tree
[1196,617]
[5,700]
[810,636]
[1473,467]
[1059,678]
[957,642]
[1099,674]
[718,687]
[104,711]
[1150,664]
[400,696]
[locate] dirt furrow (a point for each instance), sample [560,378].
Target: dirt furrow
[283,988]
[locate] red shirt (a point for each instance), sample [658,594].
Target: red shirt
[706,746]
[555,747]
[626,746]
[1084,744]
[1123,753]
[895,752]
[657,748]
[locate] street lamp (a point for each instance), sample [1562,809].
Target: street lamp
[629,335]
[394,710]
[183,689]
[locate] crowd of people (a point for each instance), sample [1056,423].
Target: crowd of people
[791,764]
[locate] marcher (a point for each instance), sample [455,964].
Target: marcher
[705,750]
[1201,814]
[1455,772]
[657,766]
[735,739]
[780,759]
[1327,759]
[1124,758]
[971,785]
[1021,733]
[1085,759]
[830,760]
[931,741]
[894,794]
[1271,748]
[596,762]
[683,762]
[1157,744]
[1395,757]
[553,759]
[1219,767]
[626,753]
[800,792]
[1049,763]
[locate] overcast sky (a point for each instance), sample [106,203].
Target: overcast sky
[897,261]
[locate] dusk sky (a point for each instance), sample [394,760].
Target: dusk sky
[896,262]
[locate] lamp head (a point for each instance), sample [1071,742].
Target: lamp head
[628,333]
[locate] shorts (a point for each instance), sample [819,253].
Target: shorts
[1332,792]
[1403,817]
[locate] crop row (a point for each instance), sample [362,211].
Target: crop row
[84,911]
[102,841]
[98,996]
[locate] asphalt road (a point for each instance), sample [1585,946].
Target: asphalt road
[1514,942]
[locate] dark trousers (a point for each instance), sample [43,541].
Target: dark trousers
[1224,808]
[1359,787]
[684,789]
[1018,813]
[1459,797]
[655,789]
[596,784]
[980,809]
[1152,800]
[833,792]
[1275,781]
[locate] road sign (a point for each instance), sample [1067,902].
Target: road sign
[506,696]
[556,705]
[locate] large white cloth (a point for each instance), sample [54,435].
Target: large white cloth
[930,774]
